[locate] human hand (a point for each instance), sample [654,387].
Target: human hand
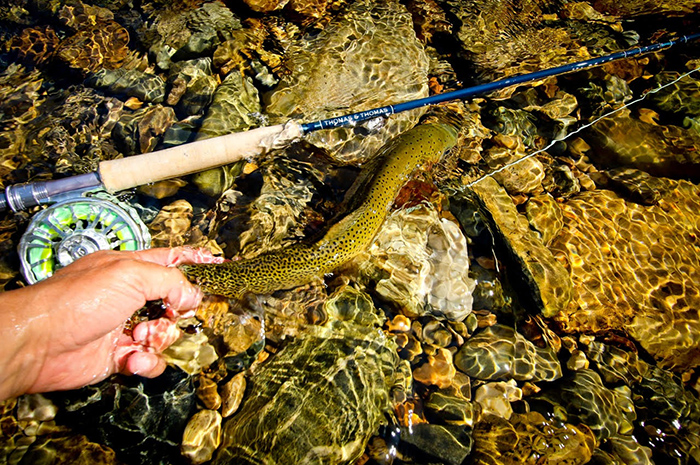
[67,331]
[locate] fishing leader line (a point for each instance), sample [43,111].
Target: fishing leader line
[585,126]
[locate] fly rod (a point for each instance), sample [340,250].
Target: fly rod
[130,172]
[482,89]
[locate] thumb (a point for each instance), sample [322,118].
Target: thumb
[154,281]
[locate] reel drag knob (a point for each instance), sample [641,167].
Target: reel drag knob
[66,231]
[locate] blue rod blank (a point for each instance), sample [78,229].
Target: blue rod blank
[353,118]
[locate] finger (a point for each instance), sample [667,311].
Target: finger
[145,364]
[177,256]
[155,282]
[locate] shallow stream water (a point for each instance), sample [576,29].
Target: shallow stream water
[534,297]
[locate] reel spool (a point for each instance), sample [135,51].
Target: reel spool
[66,231]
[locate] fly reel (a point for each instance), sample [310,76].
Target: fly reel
[66,231]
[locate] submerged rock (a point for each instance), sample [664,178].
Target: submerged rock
[75,449]
[539,273]
[234,108]
[500,352]
[232,394]
[451,409]
[659,150]
[545,216]
[635,8]
[301,405]
[35,45]
[192,86]
[449,445]
[534,41]
[141,419]
[635,185]
[208,394]
[630,451]
[531,438]
[192,353]
[171,225]
[142,130]
[77,15]
[178,32]
[585,399]
[421,262]
[277,214]
[66,132]
[366,58]
[104,45]
[131,82]
[202,436]
[679,98]
[618,253]
[438,370]
[496,397]
[266,6]
[616,365]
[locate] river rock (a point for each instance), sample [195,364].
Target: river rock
[584,397]
[618,253]
[447,444]
[368,57]
[141,419]
[421,263]
[668,151]
[545,216]
[500,352]
[540,275]
[130,82]
[531,436]
[202,436]
[104,45]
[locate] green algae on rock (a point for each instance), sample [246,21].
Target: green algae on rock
[373,197]
[131,82]
[301,405]
[234,107]
[192,85]
[176,32]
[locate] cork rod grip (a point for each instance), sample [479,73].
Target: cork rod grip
[138,170]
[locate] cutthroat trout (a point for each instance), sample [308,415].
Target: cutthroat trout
[301,263]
